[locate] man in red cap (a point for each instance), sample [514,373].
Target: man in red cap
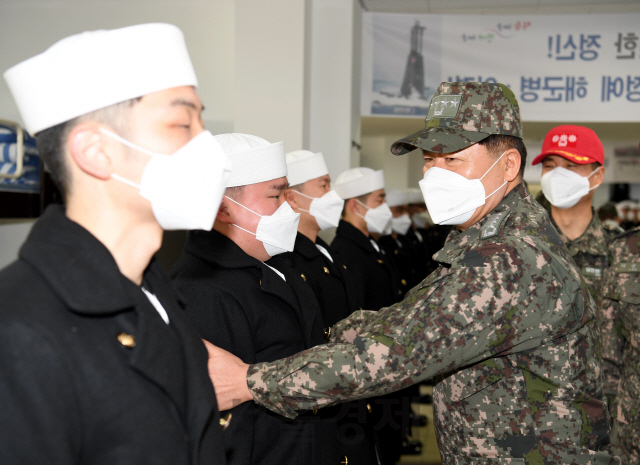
[572,168]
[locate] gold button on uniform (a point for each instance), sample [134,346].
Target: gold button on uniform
[344,266]
[327,334]
[345,460]
[369,409]
[326,270]
[380,261]
[395,251]
[127,340]
[404,282]
[304,277]
[315,411]
[224,422]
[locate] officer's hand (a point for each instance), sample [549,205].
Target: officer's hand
[229,377]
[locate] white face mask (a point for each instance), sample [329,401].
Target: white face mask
[185,189]
[326,209]
[378,219]
[451,198]
[563,188]
[401,224]
[421,219]
[278,231]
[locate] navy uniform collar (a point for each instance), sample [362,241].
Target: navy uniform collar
[349,231]
[77,266]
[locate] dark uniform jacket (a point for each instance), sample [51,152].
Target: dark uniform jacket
[89,371]
[240,304]
[403,261]
[375,280]
[331,282]
[414,241]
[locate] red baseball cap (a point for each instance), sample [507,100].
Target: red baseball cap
[575,143]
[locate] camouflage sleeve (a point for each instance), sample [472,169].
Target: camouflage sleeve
[495,303]
[612,335]
[611,347]
[347,329]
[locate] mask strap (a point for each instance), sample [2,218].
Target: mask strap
[494,164]
[495,190]
[304,195]
[117,177]
[253,234]
[368,208]
[594,172]
[245,208]
[124,141]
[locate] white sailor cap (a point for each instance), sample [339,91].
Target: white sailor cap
[358,181]
[93,70]
[304,165]
[252,159]
[395,197]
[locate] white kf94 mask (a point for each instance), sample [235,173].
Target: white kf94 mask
[326,209]
[277,231]
[185,189]
[378,219]
[563,188]
[450,197]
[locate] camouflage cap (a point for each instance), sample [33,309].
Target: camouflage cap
[462,114]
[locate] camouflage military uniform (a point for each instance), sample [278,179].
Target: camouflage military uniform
[589,251]
[505,323]
[621,340]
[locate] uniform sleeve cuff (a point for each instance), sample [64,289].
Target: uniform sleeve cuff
[262,381]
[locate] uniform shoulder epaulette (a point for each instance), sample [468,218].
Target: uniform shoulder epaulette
[493,225]
[613,230]
[626,233]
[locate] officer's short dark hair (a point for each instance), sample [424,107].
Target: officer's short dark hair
[51,142]
[497,144]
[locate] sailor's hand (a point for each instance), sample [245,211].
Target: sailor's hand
[229,377]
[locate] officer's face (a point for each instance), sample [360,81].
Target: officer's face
[555,161]
[472,163]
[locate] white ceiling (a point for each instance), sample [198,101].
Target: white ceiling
[502,6]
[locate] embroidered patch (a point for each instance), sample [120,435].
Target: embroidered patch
[493,224]
[628,267]
[444,106]
[591,271]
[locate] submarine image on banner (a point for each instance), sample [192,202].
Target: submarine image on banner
[413,81]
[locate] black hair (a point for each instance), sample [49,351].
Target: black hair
[52,142]
[497,144]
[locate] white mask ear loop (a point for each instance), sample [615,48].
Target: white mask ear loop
[123,141]
[487,172]
[127,143]
[594,172]
[368,208]
[304,195]
[239,227]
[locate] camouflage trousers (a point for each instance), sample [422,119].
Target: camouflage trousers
[625,436]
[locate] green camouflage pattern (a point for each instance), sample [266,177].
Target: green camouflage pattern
[621,341]
[506,327]
[463,113]
[589,251]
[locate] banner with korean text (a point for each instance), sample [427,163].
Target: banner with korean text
[564,68]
